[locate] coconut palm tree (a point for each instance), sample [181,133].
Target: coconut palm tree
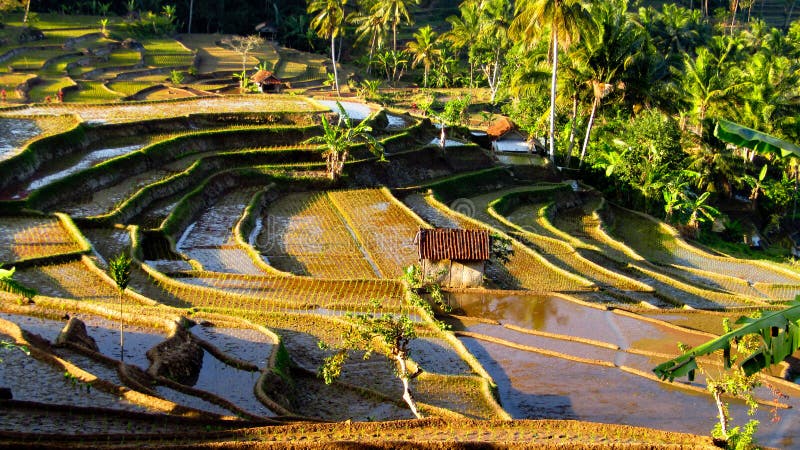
[395,12]
[424,50]
[566,19]
[327,21]
[492,43]
[608,53]
[463,29]
[369,24]
[708,83]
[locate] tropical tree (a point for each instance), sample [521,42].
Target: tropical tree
[382,332]
[338,139]
[328,20]
[369,25]
[709,83]
[7,6]
[119,269]
[698,210]
[393,64]
[607,53]
[675,30]
[566,19]
[463,29]
[395,12]
[424,50]
[492,43]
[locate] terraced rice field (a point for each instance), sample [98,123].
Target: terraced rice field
[34,237]
[305,234]
[268,261]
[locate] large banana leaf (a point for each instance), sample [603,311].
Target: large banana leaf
[739,135]
[779,331]
[8,284]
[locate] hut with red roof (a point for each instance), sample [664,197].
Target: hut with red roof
[452,257]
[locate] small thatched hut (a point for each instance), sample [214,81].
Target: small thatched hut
[454,258]
[267,81]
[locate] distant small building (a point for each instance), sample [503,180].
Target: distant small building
[452,257]
[267,81]
[506,137]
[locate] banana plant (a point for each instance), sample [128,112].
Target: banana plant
[778,332]
[8,284]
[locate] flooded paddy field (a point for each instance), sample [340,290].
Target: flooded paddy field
[551,331]
[14,133]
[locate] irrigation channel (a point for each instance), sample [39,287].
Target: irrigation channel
[260,261]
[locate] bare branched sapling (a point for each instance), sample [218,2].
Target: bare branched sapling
[385,333]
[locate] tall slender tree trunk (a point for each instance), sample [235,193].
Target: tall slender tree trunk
[333,60]
[191,10]
[394,36]
[553,83]
[733,14]
[27,10]
[495,75]
[121,331]
[371,53]
[572,129]
[785,23]
[595,102]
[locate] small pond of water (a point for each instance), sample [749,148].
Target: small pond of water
[357,111]
[395,122]
[13,133]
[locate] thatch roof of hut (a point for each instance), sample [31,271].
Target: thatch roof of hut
[447,243]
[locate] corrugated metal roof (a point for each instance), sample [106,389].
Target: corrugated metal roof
[454,244]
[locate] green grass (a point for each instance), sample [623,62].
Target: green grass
[166,53]
[32,60]
[119,58]
[50,20]
[92,92]
[49,87]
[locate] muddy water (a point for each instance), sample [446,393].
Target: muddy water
[556,315]
[13,133]
[67,168]
[533,386]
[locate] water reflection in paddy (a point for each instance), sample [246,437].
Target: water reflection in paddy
[13,133]
[553,314]
[533,386]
